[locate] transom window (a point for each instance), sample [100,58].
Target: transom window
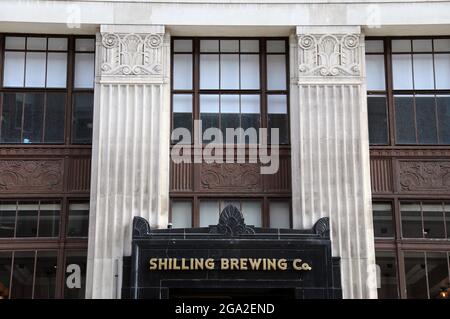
[230,83]
[408,82]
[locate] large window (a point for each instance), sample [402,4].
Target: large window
[408,82]
[46,89]
[230,83]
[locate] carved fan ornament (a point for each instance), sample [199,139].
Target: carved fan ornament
[231,222]
[329,55]
[425,176]
[132,54]
[230,176]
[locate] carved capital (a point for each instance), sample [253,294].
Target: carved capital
[329,55]
[132,55]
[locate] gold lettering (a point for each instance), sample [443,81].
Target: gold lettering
[296,264]
[282,265]
[254,263]
[271,264]
[199,264]
[224,264]
[243,265]
[209,264]
[234,263]
[153,263]
[162,264]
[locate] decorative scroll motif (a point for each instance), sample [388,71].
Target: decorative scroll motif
[322,227]
[141,227]
[230,176]
[231,223]
[329,55]
[424,176]
[132,54]
[31,176]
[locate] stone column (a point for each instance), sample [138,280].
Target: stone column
[330,147]
[130,149]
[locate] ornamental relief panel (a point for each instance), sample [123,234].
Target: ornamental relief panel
[424,176]
[231,177]
[329,55]
[130,54]
[30,176]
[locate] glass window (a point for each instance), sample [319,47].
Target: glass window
[411,220]
[182,71]
[374,46]
[78,221]
[75,274]
[182,113]
[383,220]
[279,212]
[14,66]
[5,273]
[252,212]
[49,213]
[82,118]
[278,117]
[375,72]
[85,45]
[423,71]
[181,214]
[229,71]
[378,119]
[54,118]
[276,46]
[433,220]
[182,46]
[84,70]
[387,283]
[276,72]
[23,273]
[423,220]
[404,119]
[56,70]
[426,119]
[441,67]
[7,219]
[443,115]
[209,71]
[45,276]
[209,213]
[402,71]
[249,71]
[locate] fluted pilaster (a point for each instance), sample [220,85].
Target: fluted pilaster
[130,161]
[330,149]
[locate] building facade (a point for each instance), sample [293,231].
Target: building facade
[100,105]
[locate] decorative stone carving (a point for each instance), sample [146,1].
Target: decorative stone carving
[322,227]
[329,55]
[231,223]
[232,176]
[31,176]
[424,176]
[132,54]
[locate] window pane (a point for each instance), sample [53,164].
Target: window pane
[249,71]
[209,71]
[249,46]
[12,117]
[209,46]
[404,120]
[422,46]
[84,70]
[447,218]
[250,112]
[229,45]
[442,73]
[276,72]
[182,46]
[443,110]
[54,118]
[375,72]
[438,273]
[27,220]
[209,213]
[5,273]
[415,272]
[229,71]
[56,70]
[279,215]
[402,71]
[376,46]
[252,213]
[276,46]
[181,214]
[75,274]
[7,219]
[49,219]
[433,221]
[382,220]
[182,71]
[22,279]
[387,275]
[209,112]
[426,119]
[35,69]
[182,112]
[78,225]
[15,43]
[45,282]
[441,45]
[33,118]
[57,44]
[82,117]
[423,71]
[85,45]
[277,116]
[411,221]
[36,43]
[229,113]
[401,45]
[378,121]
[13,73]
